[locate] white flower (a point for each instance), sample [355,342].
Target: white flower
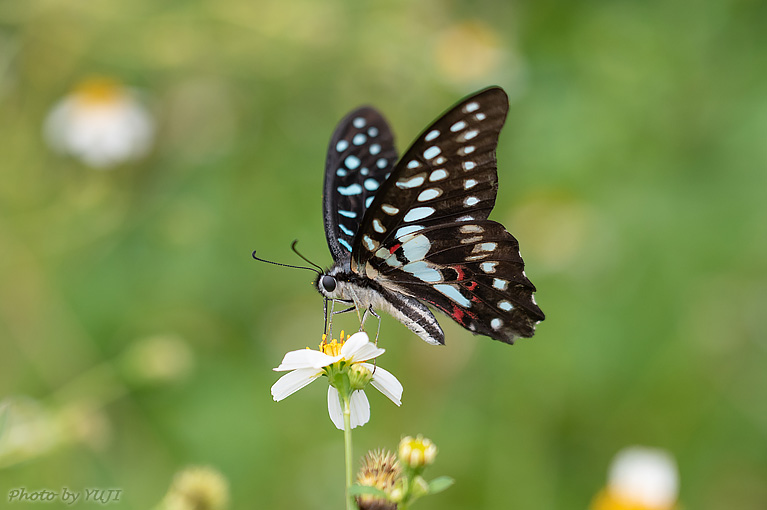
[306,365]
[101,122]
[640,478]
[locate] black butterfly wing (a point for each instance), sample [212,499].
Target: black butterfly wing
[361,155]
[426,233]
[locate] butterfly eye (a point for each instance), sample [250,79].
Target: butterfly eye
[328,283]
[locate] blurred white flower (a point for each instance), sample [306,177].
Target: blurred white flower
[102,123]
[347,358]
[640,478]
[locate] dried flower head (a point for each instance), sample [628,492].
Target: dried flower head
[380,469]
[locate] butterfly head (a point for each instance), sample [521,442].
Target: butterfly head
[331,283]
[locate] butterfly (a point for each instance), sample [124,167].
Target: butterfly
[412,232]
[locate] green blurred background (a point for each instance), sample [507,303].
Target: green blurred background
[632,170]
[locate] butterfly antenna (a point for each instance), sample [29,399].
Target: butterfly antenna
[285,265]
[293,247]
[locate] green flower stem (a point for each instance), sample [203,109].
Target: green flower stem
[350,505]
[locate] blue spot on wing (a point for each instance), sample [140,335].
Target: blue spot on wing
[343,243]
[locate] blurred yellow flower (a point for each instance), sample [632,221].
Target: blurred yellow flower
[468,51]
[158,359]
[101,122]
[640,479]
[197,488]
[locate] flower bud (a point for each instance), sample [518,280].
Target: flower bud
[416,453]
[359,376]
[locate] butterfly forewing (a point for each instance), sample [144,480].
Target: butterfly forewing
[361,155]
[447,175]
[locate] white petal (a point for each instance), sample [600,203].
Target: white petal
[359,348]
[293,381]
[360,408]
[305,358]
[334,408]
[385,382]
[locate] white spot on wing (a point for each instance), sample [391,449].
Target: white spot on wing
[505,305]
[423,271]
[469,183]
[431,135]
[453,293]
[375,149]
[471,229]
[431,152]
[469,165]
[458,126]
[480,116]
[346,245]
[416,248]
[369,243]
[488,267]
[413,163]
[402,232]
[471,107]
[470,134]
[352,162]
[466,150]
[418,213]
[470,201]
[359,122]
[353,189]
[359,139]
[381,163]
[429,194]
[378,227]
[437,175]
[348,214]
[500,284]
[345,230]
[389,209]
[413,182]
[373,131]
[368,201]
[371,184]
[342,145]
[342,172]
[484,247]
[496,324]
[468,217]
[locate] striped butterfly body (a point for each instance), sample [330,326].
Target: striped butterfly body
[414,231]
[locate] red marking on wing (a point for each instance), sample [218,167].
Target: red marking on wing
[457,314]
[471,285]
[394,248]
[459,270]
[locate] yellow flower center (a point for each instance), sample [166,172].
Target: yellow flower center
[334,347]
[99,90]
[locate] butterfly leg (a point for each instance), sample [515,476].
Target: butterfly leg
[329,328]
[372,312]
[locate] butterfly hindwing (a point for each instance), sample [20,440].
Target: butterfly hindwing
[472,271]
[361,154]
